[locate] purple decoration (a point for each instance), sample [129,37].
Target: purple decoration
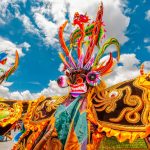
[80,61]
[89,64]
[71,61]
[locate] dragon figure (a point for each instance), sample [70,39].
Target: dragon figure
[90,112]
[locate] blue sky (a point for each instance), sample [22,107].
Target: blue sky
[138,29]
[32,27]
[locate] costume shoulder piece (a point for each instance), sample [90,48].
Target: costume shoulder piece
[42,109]
[125,107]
[36,120]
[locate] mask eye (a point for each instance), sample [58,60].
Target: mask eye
[62,81]
[93,78]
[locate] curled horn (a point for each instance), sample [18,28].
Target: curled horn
[11,70]
[61,38]
[104,47]
[64,47]
[106,68]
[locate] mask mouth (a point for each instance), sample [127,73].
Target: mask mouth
[77,89]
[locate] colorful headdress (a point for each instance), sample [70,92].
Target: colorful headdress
[95,32]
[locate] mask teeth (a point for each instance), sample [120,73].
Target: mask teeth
[80,61]
[89,64]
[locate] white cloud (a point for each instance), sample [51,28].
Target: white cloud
[48,28]
[59,9]
[24,2]
[25,45]
[8,14]
[2,22]
[52,14]
[147,66]
[10,47]
[112,15]
[52,90]
[6,45]
[129,68]
[27,95]
[6,84]
[146,40]
[129,60]
[61,67]
[3,91]
[15,95]
[147,17]
[148,48]
[131,11]
[28,24]
[48,16]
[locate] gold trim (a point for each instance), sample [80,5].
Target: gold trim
[146,109]
[33,125]
[131,114]
[137,128]
[122,135]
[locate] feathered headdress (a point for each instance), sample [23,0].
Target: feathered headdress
[95,33]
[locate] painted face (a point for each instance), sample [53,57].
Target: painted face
[78,85]
[79,82]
